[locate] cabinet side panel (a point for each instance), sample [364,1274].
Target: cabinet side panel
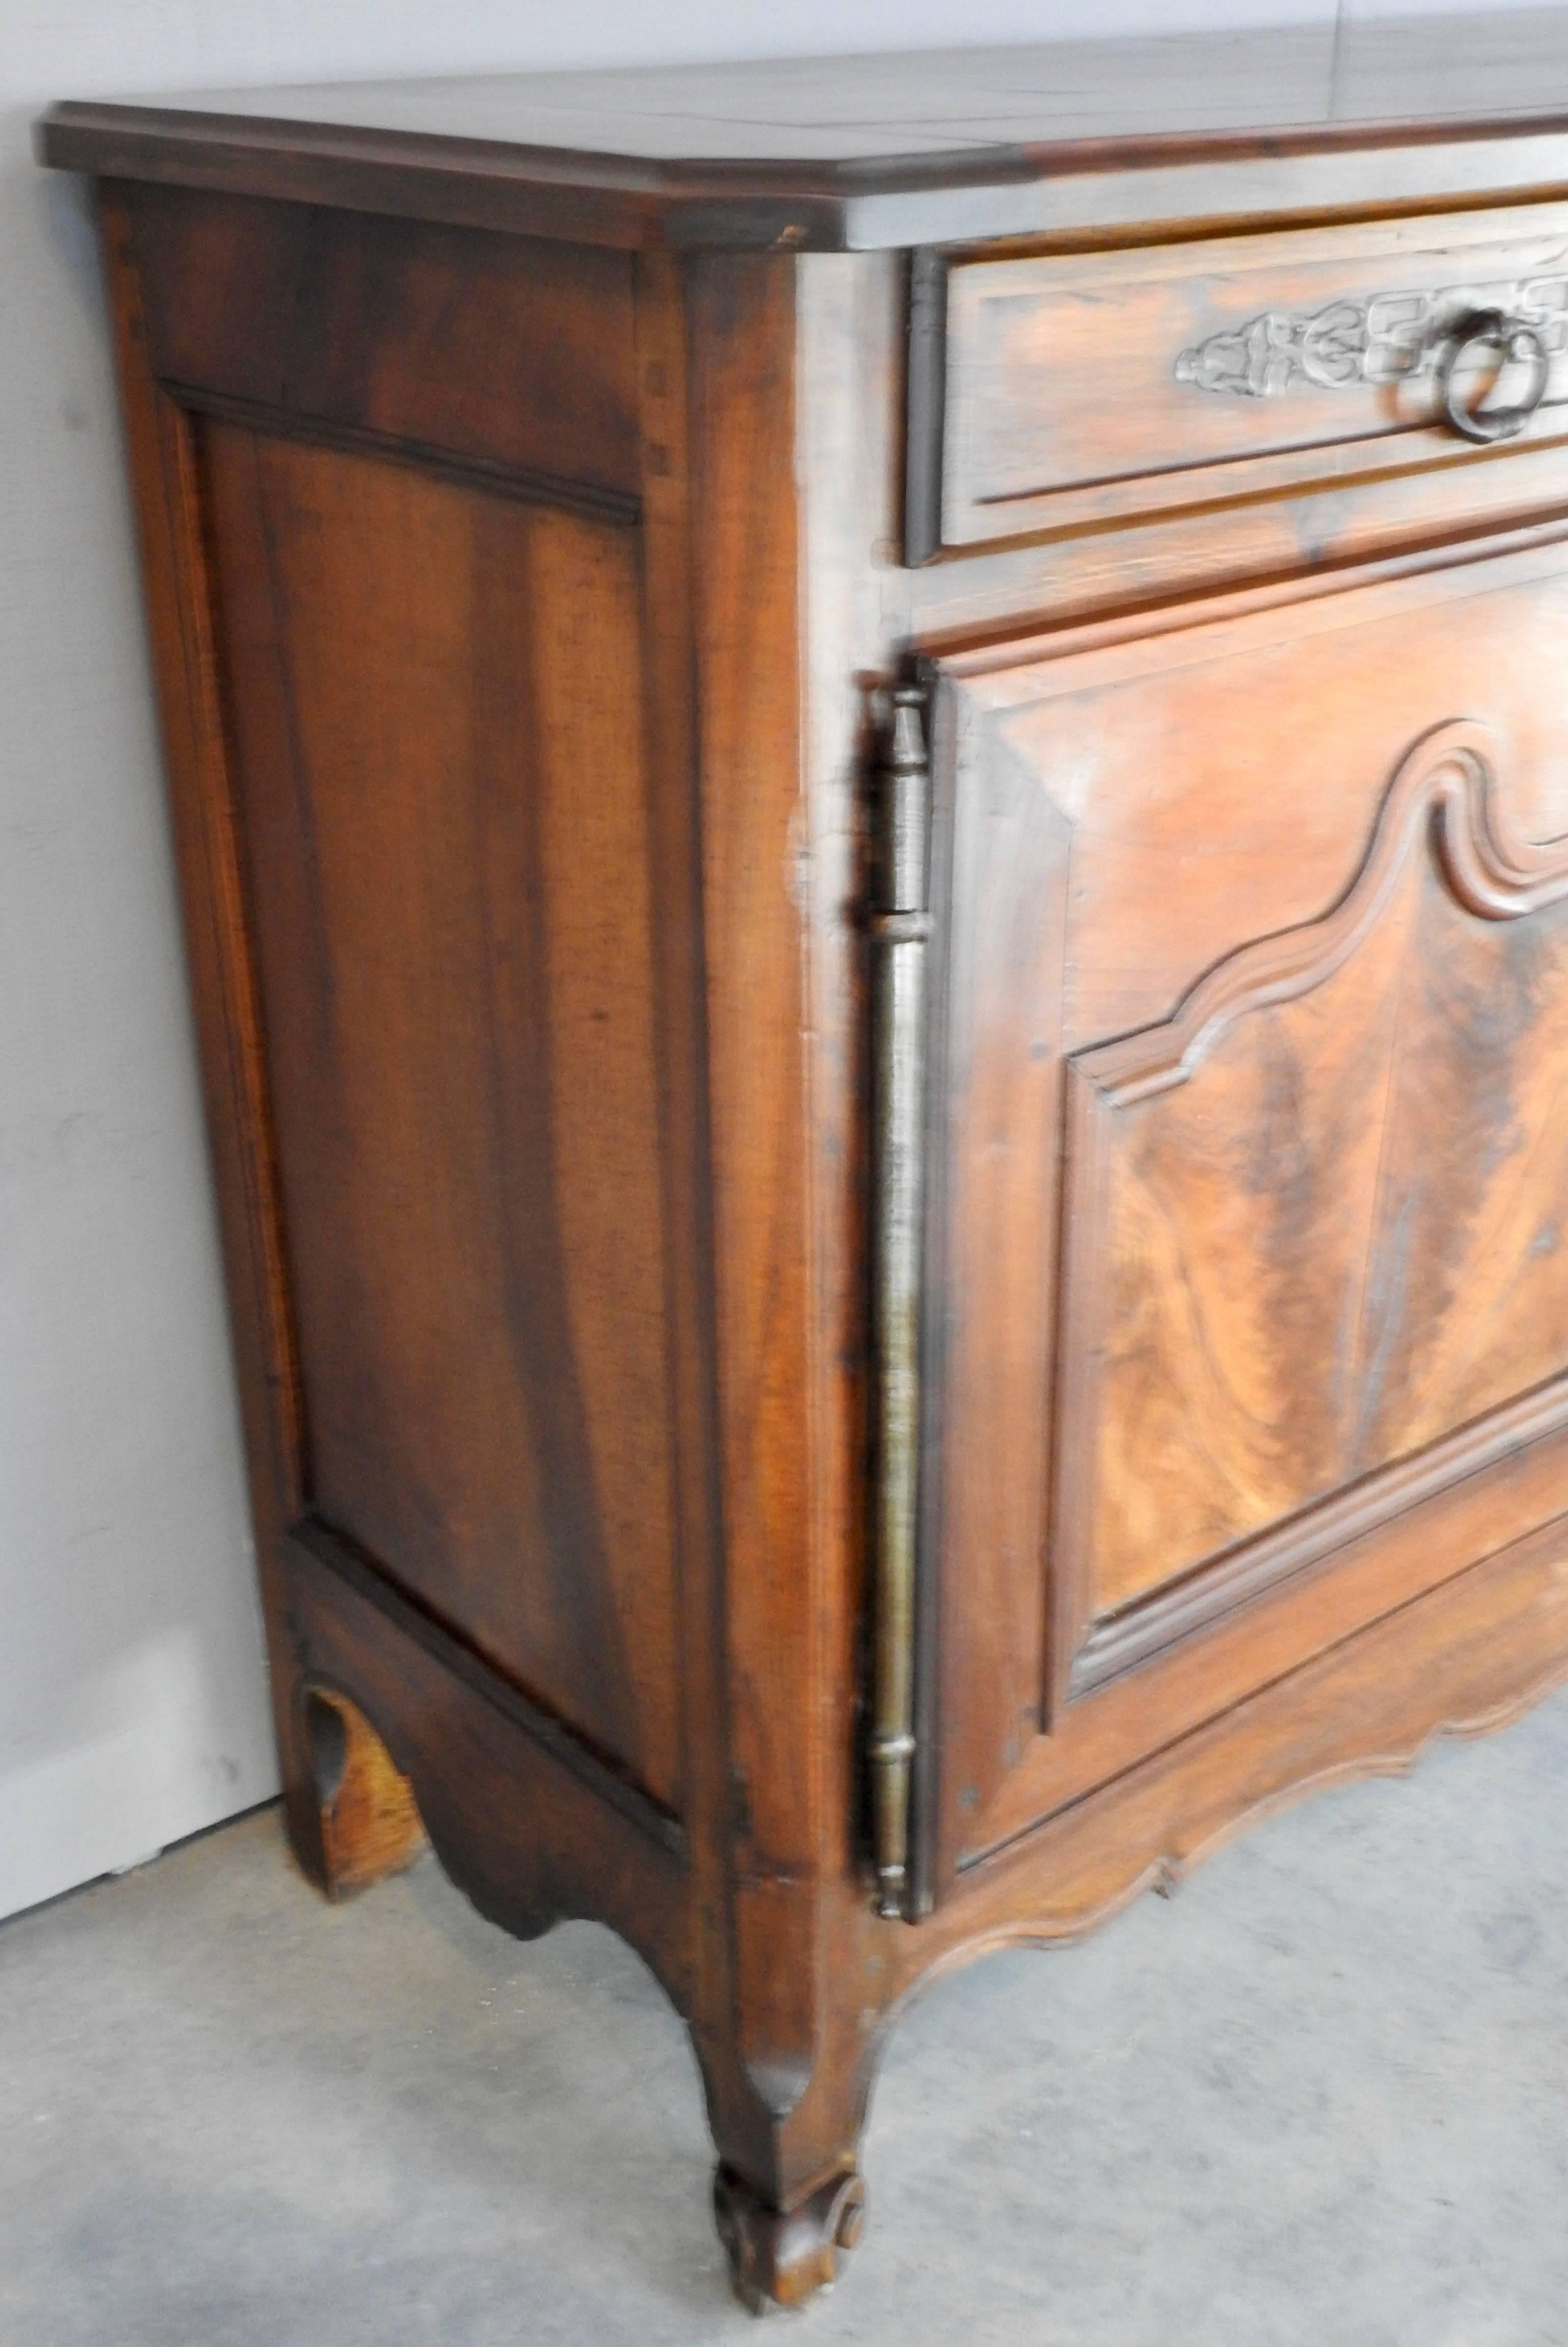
[436,697]
[742,320]
[504,350]
[161,457]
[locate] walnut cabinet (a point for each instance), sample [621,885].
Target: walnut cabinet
[870,765]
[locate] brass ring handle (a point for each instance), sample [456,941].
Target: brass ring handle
[1512,338]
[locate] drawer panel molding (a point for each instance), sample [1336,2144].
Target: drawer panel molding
[1058,392]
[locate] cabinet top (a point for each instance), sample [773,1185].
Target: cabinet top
[903,149]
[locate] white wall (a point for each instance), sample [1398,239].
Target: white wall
[132,1705]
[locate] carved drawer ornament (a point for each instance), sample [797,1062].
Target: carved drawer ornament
[1396,337]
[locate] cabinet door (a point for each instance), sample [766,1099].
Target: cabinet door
[1247,1251]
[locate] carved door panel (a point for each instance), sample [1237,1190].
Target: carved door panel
[1247,1243]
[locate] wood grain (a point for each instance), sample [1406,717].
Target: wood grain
[371,1826]
[519,610]
[1002,867]
[451,348]
[1467,1659]
[743,518]
[1463,1660]
[178,592]
[1257,1191]
[1063,393]
[1229,1247]
[540,1845]
[853,153]
[455,943]
[1243,1198]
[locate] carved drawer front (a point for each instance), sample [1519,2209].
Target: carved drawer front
[1248,1250]
[1065,390]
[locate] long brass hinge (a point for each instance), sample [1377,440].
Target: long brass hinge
[899,927]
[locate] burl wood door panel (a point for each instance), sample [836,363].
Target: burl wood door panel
[436,702]
[1249,1233]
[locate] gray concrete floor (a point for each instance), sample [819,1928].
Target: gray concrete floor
[1322,2097]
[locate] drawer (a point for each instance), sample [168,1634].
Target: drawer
[1063,392]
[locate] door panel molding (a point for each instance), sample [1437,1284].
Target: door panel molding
[1141,1205]
[1145,875]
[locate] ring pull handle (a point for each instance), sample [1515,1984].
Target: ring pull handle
[1511,338]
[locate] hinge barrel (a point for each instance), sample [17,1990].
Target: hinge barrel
[899,925]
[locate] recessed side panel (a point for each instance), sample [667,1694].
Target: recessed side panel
[436,699]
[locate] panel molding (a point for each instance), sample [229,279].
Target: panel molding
[1116,1641]
[1464,1659]
[329,1547]
[497,1217]
[522,482]
[1443,790]
[1447,776]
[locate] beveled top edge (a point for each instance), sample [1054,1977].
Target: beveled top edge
[876,152]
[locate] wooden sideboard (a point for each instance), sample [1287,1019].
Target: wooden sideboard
[870,763]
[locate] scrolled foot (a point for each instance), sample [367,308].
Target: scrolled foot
[783,2257]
